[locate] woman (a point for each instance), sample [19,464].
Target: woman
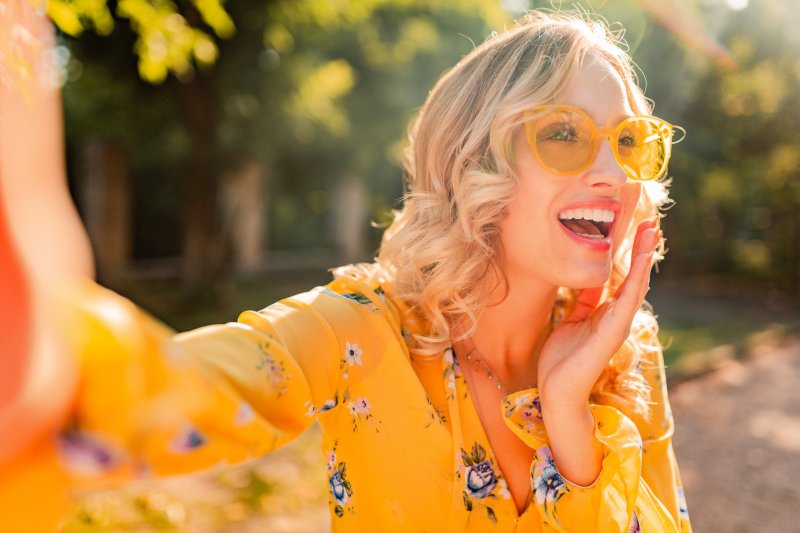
[491,370]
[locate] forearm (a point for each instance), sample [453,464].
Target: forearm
[575,449]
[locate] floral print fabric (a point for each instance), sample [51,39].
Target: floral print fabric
[404,448]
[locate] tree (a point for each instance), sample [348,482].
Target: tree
[312,93]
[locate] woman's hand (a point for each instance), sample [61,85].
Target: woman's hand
[575,355]
[580,347]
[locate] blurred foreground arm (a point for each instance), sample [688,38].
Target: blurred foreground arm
[41,244]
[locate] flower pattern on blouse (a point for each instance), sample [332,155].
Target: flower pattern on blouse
[352,357]
[189,438]
[358,298]
[525,411]
[471,474]
[340,488]
[529,410]
[502,489]
[329,404]
[548,485]
[244,414]
[361,411]
[682,508]
[449,373]
[363,300]
[276,368]
[452,372]
[635,527]
[435,413]
[480,479]
[85,454]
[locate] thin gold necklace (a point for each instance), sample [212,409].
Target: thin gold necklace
[475,357]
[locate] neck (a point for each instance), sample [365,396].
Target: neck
[511,331]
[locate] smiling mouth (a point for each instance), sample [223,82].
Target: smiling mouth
[589,223]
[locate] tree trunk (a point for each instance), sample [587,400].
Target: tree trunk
[351,216]
[105,197]
[201,261]
[244,216]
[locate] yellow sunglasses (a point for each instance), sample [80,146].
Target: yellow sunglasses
[565,140]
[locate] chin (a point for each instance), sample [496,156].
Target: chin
[589,278]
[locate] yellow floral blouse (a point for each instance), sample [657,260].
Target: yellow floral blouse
[404,447]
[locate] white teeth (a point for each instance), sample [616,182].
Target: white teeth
[590,236]
[596,215]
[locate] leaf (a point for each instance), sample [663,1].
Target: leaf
[478,453]
[65,17]
[338,510]
[467,501]
[466,458]
[360,298]
[215,16]
[492,516]
[347,487]
[342,469]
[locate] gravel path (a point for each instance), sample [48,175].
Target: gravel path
[738,443]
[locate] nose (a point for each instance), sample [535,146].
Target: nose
[605,172]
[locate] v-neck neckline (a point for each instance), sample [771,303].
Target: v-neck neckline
[458,400]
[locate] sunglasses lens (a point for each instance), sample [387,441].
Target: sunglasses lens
[643,148]
[563,141]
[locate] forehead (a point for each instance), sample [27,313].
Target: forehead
[598,88]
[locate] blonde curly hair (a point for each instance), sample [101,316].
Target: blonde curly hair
[445,240]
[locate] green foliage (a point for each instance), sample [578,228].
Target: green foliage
[319,92]
[74,16]
[165,43]
[737,176]
[315,91]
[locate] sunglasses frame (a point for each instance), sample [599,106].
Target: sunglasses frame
[610,133]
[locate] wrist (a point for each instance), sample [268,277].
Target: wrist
[577,453]
[564,405]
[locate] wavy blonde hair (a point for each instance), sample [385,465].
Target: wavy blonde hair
[444,242]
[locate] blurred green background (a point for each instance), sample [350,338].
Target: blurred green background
[225,154]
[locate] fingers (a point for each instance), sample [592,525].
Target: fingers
[632,291]
[635,284]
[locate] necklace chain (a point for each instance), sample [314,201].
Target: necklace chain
[475,357]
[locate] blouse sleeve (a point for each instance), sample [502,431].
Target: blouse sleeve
[638,488]
[157,402]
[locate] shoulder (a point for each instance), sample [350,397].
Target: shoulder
[369,285]
[347,306]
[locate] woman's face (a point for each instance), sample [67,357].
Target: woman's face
[537,244]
